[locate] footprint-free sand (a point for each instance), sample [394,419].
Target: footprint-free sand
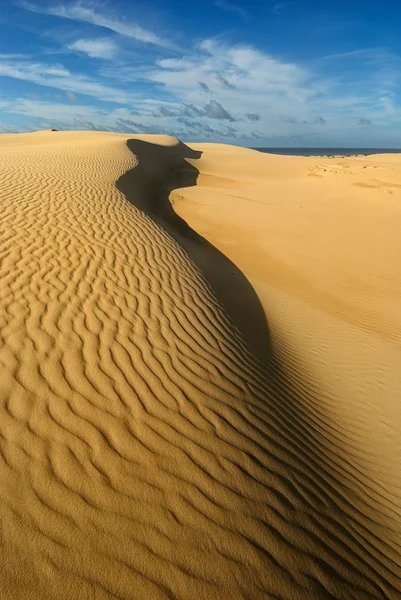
[200,371]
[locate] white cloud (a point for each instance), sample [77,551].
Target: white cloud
[245,81]
[174,63]
[231,7]
[13,56]
[8,129]
[210,85]
[45,115]
[97,48]
[351,54]
[51,110]
[56,76]
[78,11]
[252,81]
[66,111]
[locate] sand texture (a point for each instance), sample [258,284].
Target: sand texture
[200,372]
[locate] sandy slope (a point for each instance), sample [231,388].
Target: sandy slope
[146,452]
[319,240]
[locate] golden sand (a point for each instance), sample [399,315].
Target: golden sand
[200,371]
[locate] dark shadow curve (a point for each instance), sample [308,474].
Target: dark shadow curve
[160,170]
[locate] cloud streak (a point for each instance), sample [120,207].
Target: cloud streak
[205,89]
[231,7]
[225,82]
[78,11]
[96,48]
[56,76]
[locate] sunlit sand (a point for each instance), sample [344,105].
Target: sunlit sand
[200,371]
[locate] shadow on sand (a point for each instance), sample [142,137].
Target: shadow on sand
[162,169]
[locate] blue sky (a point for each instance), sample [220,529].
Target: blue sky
[255,73]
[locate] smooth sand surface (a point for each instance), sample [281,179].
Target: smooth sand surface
[200,371]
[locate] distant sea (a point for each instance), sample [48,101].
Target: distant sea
[328,151]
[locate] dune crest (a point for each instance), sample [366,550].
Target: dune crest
[153,444]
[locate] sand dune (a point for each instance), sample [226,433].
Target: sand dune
[199,389]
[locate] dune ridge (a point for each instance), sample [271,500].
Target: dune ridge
[148,448]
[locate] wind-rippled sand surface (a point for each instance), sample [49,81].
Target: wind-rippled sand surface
[197,417]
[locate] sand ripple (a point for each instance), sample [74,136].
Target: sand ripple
[144,451]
